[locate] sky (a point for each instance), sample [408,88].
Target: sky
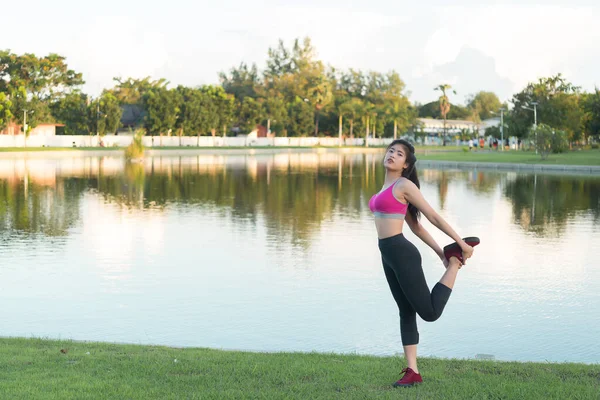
[496,46]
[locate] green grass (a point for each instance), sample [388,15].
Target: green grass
[35,368]
[584,157]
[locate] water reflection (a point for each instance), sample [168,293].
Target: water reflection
[278,253]
[542,202]
[293,192]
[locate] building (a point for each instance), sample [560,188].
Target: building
[40,130]
[435,127]
[133,116]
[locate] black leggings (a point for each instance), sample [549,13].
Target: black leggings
[402,267]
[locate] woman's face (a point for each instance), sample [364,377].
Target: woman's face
[395,158]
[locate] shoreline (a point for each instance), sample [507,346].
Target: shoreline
[65,369]
[477,358]
[423,160]
[514,167]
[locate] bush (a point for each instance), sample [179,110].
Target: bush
[595,146]
[548,140]
[560,142]
[136,148]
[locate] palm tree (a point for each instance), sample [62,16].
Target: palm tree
[397,111]
[444,104]
[355,108]
[319,95]
[344,107]
[367,110]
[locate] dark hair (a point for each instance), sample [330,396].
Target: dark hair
[409,172]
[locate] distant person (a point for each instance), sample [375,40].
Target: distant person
[470,144]
[481,143]
[401,200]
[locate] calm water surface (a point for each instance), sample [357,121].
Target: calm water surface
[279,252]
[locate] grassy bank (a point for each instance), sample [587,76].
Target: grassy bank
[34,368]
[584,157]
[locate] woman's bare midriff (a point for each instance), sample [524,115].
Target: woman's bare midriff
[387,227]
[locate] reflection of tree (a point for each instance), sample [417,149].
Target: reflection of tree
[441,179]
[483,183]
[290,200]
[127,189]
[28,207]
[480,182]
[543,203]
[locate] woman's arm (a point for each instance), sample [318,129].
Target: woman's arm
[424,235]
[413,195]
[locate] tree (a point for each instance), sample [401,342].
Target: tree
[342,107]
[41,77]
[109,114]
[226,112]
[5,114]
[163,106]
[31,83]
[300,118]
[283,61]
[275,111]
[37,110]
[250,114]
[398,111]
[590,103]
[432,110]
[72,110]
[354,107]
[190,118]
[366,112]
[548,140]
[133,91]
[483,105]
[444,104]
[318,91]
[241,82]
[220,105]
[557,106]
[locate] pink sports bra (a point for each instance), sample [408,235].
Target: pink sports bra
[385,205]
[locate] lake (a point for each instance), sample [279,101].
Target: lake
[278,252]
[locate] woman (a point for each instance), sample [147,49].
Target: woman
[401,200]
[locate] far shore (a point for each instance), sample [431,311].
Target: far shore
[585,161]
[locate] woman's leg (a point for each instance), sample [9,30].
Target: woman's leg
[405,261]
[410,353]
[408,319]
[449,276]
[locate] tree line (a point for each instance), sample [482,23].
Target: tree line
[294,95]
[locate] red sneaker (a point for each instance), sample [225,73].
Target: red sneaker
[453,250]
[410,378]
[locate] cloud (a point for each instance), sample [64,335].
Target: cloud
[117,47]
[526,42]
[506,44]
[470,72]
